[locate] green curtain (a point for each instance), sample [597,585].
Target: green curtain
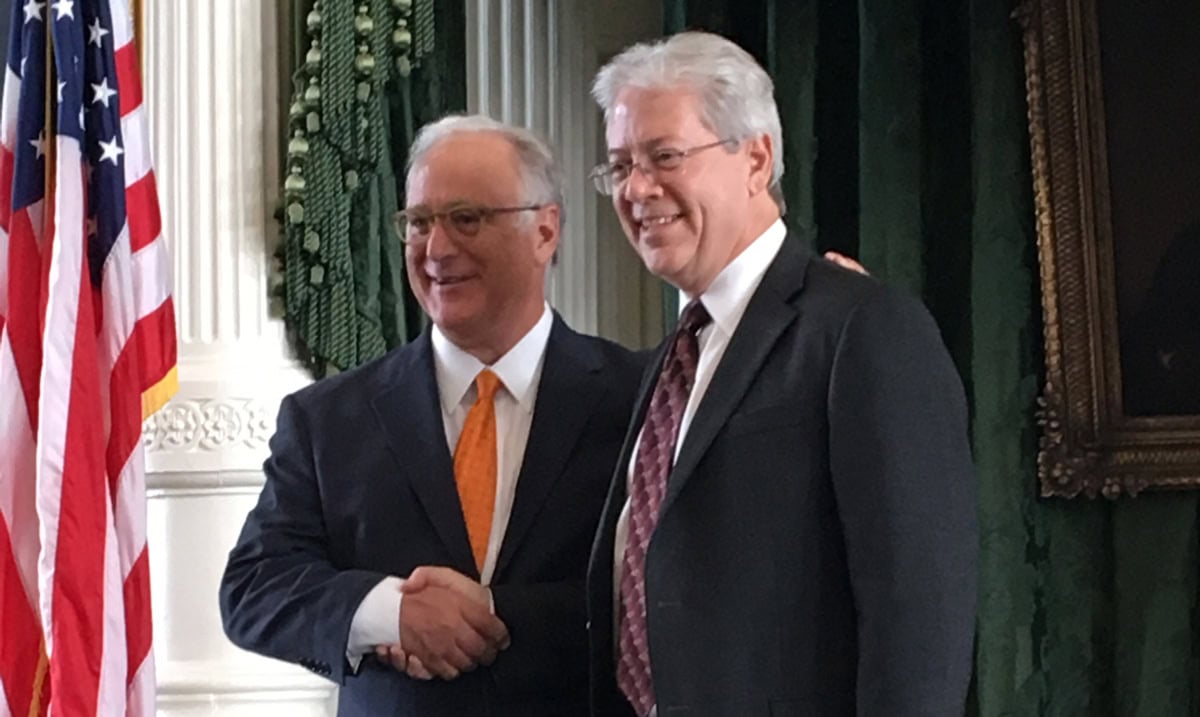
[367,75]
[906,145]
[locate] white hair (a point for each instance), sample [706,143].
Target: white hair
[542,176]
[737,96]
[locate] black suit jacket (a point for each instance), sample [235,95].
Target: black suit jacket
[360,485]
[816,549]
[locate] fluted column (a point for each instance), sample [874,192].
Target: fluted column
[531,63]
[211,75]
[526,65]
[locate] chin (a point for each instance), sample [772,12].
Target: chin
[665,262]
[454,314]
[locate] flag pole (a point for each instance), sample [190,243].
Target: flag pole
[138,12]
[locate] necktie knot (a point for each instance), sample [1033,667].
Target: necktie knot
[694,318]
[486,384]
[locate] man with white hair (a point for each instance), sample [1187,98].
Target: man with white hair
[791,527]
[431,513]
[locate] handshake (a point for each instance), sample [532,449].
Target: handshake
[446,626]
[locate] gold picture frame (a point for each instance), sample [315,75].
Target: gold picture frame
[1090,444]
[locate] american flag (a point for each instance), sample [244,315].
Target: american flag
[87,351]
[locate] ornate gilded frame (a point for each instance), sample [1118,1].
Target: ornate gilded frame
[1088,446]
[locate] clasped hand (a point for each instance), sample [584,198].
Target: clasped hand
[446,626]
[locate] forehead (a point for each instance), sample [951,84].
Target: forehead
[472,167]
[646,116]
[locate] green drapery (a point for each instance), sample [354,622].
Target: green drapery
[367,75]
[906,145]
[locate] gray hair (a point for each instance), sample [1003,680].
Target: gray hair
[737,96]
[539,170]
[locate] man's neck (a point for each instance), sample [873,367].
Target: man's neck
[759,223]
[491,349]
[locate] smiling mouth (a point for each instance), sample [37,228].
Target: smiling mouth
[448,280]
[650,223]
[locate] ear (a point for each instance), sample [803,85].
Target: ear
[762,155]
[548,231]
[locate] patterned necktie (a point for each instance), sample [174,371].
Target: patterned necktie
[475,465]
[647,486]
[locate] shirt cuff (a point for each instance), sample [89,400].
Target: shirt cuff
[376,621]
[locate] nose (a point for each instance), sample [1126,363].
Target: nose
[639,185]
[439,244]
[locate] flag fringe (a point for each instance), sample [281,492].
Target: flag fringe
[157,395]
[39,680]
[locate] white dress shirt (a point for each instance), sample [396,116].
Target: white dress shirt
[725,299]
[376,621]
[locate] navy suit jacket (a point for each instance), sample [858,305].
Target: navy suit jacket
[815,553]
[360,485]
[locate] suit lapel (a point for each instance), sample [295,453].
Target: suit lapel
[619,490]
[410,415]
[600,564]
[569,388]
[767,315]
[640,406]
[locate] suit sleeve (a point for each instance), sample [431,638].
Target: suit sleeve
[548,626]
[281,595]
[905,490]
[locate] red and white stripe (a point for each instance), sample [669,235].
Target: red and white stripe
[104,361]
[22,655]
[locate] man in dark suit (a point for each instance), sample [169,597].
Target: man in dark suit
[791,527]
[472,463]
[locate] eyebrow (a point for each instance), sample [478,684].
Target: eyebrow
[452,204]
[652,143]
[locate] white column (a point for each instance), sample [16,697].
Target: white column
[531,63]
[211,75]
[526,63]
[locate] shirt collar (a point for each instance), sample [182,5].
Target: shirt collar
[456,369]
[729,293]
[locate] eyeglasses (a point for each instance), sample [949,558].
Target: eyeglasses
[609,177]
[416,226]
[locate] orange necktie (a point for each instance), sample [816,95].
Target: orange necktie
[475,465]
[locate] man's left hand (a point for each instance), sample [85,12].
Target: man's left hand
[402,661]
[845,262]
